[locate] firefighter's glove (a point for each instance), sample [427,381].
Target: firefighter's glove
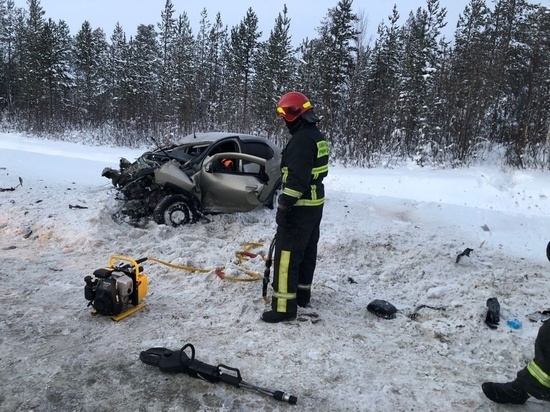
[282,215]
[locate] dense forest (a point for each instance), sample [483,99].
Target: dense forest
[409,93]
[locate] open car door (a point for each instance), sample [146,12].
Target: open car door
[231,182]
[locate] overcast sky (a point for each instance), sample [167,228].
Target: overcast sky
[305,15]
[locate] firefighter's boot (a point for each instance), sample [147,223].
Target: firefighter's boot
[505,393]
[276,317]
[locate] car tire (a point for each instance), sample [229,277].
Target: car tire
[175,210]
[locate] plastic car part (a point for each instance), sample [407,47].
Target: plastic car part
[175,210]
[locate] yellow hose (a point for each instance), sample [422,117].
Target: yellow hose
[189,268]
[241,255]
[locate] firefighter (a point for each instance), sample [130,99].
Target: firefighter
[533,380]
[304,164]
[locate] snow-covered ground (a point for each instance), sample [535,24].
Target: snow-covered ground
[391,234]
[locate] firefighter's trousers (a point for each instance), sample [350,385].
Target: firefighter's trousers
[295,257]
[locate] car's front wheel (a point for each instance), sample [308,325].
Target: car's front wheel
[175,210]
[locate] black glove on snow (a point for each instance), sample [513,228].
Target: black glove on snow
[493,313]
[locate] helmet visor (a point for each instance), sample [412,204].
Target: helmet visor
[290,113]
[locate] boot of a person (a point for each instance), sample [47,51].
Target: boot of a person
[276,317]
[303,297]
[504,393]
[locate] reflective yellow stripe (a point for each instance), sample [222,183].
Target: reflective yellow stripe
[282,280]
[539,374]
[287,296]
[316,171]
[292,193]
[308,202]
[313,192]
[284,172]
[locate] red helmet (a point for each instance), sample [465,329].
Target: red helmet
[292,105]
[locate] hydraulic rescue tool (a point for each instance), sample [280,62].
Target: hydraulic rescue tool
[179,362]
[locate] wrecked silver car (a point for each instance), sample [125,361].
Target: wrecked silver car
[202,173]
